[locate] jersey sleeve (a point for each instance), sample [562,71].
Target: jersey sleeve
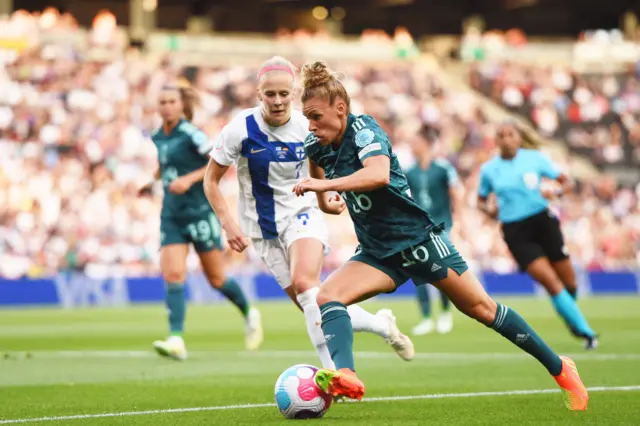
[484,188]
[452,174]
[199,139]
[370,140]
[227,146]
[546,167]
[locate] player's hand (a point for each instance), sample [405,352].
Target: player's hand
[491,210]
[550,191]
[146,190]
[335,204]
[180,185]
[235,237]
[310,185]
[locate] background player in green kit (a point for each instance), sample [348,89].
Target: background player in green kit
[398,240]
[436,188]
[187,218]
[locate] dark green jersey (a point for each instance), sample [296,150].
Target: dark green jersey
[387,220]
[182,151]
[430,188]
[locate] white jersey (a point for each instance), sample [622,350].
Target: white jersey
[270,161]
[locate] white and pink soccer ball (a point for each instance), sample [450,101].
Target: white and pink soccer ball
[298,396]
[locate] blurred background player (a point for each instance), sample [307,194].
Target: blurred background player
[532,231]
[289,232]
[187,218]
[398,240]
[436,188]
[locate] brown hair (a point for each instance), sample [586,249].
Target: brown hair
[189,97]
[319,81]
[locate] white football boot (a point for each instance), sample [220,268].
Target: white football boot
[253,330]
[401,343]
[445,322]
[173,348]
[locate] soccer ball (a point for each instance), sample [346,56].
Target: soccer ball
[298,396]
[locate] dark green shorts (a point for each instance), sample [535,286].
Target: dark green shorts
[203,231]
[423,263]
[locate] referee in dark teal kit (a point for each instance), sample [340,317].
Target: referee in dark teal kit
[531,231]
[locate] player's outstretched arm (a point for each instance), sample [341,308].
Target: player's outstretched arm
[235,237]
[375,174]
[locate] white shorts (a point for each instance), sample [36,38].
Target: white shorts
[275,252]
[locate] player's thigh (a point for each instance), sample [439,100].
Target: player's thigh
[522,243]
[549,236]
[306,256]
[353,282]
[173,262]
[276,258]
[213,266]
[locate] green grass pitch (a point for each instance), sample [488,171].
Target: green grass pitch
[58,363]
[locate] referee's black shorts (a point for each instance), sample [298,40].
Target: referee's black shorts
[534,237]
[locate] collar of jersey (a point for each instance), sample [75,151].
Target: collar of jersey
[172,130]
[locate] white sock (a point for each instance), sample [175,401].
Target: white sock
[307,301]
[362,320]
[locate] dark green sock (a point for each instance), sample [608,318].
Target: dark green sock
[423,300]
[234,293]
[337,329]
[446,304]
[515,328]
[573,293]
[177,306]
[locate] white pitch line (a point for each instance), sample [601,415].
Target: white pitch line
[291,354]
[264,405]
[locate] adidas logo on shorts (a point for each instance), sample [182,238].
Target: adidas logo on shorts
[435,267]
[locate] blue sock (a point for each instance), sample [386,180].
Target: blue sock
[234,293]
[567,308]
[177,307]
[337,329]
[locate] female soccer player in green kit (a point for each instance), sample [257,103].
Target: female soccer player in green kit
[398,240]
[187,218]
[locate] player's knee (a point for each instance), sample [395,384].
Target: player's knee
[216,281]
[484,311]
[325,295]
[174,276]
[302,283]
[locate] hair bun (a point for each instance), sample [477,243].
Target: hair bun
[315,74]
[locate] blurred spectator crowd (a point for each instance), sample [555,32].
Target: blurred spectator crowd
[75,147]
[595,114]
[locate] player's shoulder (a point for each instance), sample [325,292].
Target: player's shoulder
[156,134]
[366,130]
[490,165]
[443,163]
[237,126]
[188,128]
[530,153]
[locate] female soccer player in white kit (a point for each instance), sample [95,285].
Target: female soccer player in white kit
[289,232]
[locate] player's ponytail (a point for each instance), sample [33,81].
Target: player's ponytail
[319,81]
[529,140]
[190,99]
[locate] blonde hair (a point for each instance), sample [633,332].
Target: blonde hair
[319,81]
[277,63]
[188,95]
[528,138]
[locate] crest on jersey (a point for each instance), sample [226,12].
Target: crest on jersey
[364,137]
[531,180]
[300,152]
[281,152]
